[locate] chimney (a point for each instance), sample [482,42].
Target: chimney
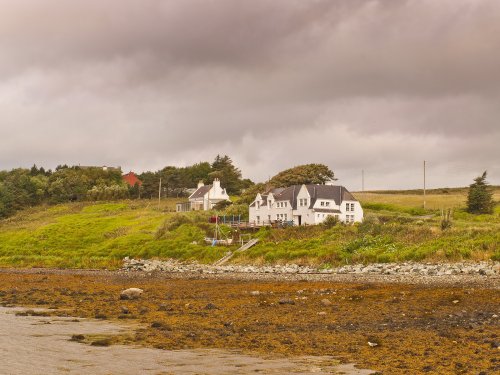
[200,184]
[330,183]
[216,183]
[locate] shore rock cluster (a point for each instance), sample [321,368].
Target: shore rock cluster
[407,268]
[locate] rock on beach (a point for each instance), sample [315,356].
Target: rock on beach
[131,293]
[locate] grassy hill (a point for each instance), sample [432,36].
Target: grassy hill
[97,236]
[101,235]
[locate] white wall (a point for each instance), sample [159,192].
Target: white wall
[215,194]
[303,211]
[358,211]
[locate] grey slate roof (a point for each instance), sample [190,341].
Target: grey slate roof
[200,193]
[264,203]
[330,192]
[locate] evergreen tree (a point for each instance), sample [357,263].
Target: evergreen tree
[227,173]
[480,197]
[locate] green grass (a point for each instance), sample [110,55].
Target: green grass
[100,235]
[389,239]
[397,228]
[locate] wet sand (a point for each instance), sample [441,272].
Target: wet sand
[41,345]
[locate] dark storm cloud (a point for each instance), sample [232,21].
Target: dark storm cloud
[374,85]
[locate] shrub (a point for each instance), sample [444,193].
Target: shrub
[330,221]
[370,224]
[222,205]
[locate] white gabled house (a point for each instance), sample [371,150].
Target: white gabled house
[305,205]
[204,198]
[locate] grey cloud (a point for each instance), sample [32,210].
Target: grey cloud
[378,85]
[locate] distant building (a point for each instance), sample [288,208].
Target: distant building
[204,198]
[104,168]
[131,179]
[305,205]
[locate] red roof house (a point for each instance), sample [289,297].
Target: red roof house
[131,179]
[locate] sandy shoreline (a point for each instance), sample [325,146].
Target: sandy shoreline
[433,324]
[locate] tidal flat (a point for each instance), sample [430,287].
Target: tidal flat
[390,328]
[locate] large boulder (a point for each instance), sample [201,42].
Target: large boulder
[131,293]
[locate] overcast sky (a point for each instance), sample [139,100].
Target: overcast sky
[373,85]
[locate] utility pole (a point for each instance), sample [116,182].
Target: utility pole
[424,184]
[363,180]
[159,195]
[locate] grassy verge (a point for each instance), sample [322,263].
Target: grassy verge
[101,235]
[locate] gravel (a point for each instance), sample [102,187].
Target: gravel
[425,269]
[485,273]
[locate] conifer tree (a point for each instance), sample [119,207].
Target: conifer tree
[480,197]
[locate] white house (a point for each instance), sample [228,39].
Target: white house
[204,198]
[305,205]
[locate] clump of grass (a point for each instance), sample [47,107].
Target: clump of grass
[102,342]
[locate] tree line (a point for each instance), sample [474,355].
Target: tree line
[177,180]
[22,187]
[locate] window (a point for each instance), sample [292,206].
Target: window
[322,203]
[285,217]
[352,207]
[258,219]
[327,204]
[347,206]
